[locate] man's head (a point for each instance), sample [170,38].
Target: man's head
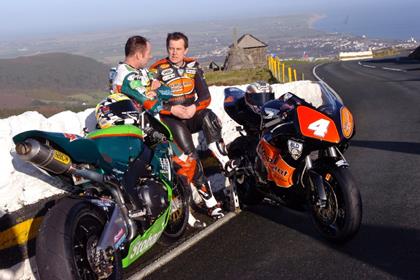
[177,47]
[138,51]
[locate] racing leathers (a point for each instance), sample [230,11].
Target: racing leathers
[136,84]
[189,87]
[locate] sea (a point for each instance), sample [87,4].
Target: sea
[399,20]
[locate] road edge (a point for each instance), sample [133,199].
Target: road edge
[184,246]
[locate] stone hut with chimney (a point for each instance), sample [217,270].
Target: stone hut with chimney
[245,53]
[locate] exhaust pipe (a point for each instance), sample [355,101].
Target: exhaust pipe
[58,162]
[43,156]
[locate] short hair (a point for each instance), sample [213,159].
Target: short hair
[134,44]
[177,36]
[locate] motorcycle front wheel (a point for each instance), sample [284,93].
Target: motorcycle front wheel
[66,239]
[339,220]
[180,212]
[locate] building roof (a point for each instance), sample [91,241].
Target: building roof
[248,41]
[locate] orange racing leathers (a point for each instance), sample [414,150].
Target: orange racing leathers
[189,87]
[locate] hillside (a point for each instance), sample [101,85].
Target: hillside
[50,83]
[59,72]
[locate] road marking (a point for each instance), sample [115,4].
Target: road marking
[365,65]
[181,248]
[384,68]
[368,66]
[394,69]
[322,82]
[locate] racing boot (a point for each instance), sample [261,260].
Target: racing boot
[194,223]
[218,149]
[216,212]
[214,209]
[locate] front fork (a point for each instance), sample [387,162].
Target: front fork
[316,182]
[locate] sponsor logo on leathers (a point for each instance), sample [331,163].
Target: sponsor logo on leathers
[181,86]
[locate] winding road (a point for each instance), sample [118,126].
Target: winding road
[266,242]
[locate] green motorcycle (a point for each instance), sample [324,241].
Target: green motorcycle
[125,196]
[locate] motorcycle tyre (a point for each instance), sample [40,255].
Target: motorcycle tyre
[54,244]
[345,190]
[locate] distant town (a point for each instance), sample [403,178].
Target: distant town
[289,37]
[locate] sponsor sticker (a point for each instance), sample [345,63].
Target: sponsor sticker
[70,136]
[61,157]
[168,77]
[167,71]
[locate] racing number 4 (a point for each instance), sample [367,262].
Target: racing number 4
[320,127]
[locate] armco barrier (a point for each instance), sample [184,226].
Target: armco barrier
[346,56]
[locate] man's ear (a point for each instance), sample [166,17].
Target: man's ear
[139,55]
[186,51]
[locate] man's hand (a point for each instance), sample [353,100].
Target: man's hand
[151,94]
[155,85]
[183,112]
[190,111]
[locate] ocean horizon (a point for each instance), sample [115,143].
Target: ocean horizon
[394,23]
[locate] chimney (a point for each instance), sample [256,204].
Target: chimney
[235,38]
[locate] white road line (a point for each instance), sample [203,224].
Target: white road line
[322,81]
[181,248]
[368,66]
[365,65]
[394,69]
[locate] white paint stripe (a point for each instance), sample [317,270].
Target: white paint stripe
[181,248]
[365,65]
[394,69]
[322,81]
[368,66]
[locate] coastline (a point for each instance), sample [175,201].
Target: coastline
[314,18]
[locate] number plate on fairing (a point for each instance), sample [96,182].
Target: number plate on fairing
[317,125]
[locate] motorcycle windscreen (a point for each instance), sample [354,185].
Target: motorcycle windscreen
[316,125]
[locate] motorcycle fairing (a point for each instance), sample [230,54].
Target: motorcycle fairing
[145,241]
[347,122]
[110,140]
[316,125]
[233,95]
[278,170]
[80,149]
[235,107]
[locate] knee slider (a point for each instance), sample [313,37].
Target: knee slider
[212,127]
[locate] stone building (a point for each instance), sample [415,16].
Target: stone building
[245,53]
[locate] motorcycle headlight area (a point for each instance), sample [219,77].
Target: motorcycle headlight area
[295,149]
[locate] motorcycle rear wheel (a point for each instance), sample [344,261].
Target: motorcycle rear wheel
[340,219]
[68,232]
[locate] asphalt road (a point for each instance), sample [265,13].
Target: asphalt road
[267,242]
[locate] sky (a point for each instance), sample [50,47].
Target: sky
[22,18]
[49,16]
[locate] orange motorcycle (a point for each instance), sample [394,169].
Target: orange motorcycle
[291,151]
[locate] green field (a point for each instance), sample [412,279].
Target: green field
[238,77]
